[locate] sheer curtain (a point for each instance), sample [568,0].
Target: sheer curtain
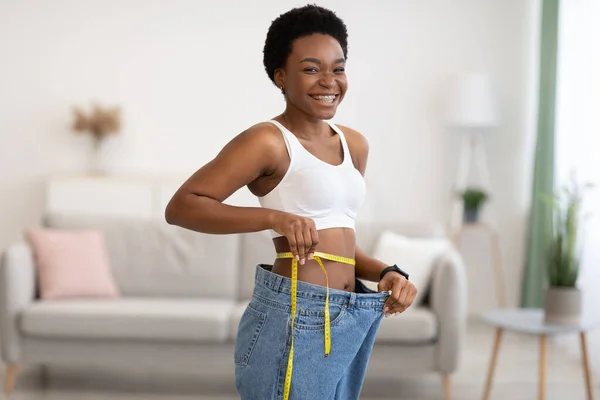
[578,133]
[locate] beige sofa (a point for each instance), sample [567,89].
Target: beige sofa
[183,294]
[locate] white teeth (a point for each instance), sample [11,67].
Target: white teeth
[328,99]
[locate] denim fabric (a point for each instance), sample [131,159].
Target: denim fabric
[263,340]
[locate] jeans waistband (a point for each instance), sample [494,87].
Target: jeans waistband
[265,279]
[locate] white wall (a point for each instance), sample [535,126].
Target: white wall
[189,76]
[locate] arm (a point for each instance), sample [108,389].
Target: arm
[368,268]
[197,204]
[255,153]
[402,291]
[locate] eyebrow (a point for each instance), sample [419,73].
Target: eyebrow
[317,61]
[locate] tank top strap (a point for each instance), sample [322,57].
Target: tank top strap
[347,155]
[289,141]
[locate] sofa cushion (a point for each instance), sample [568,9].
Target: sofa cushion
[415,325]
[367,234]
[71,264]
[152,258]
[202,320]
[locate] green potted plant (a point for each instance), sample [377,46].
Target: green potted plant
[473,199]
[562,297]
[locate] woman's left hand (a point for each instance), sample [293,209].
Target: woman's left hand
[403,293]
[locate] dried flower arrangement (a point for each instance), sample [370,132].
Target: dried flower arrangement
[100,123]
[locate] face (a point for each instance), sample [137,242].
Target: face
[314,77]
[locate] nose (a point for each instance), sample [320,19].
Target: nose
[327,80]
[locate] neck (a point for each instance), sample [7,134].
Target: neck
[303,125]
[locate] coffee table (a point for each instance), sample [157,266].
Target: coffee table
[531,321]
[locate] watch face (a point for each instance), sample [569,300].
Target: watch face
[397,269]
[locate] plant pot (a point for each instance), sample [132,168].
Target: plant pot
[471,215]
[562,305]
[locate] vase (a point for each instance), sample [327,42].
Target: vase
[471,215]
[562,305]
[96,166]
[100,161]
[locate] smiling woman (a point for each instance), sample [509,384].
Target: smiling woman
[317,82]
[308,176]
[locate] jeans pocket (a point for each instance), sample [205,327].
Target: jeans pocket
[314,318]
[251,325]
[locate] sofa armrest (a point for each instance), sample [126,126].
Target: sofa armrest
[17,291]
[448,300]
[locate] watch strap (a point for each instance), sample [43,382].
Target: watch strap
[394,268]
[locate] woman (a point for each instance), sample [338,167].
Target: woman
[308,176]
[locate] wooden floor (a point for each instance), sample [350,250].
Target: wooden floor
[516,378]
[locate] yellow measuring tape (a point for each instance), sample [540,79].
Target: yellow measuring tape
[317,256]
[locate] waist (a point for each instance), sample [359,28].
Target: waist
[333,271]
[278,288]
[338,241]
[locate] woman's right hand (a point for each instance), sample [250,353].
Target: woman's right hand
[300,232]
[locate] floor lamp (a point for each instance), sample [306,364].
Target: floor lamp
[473,111]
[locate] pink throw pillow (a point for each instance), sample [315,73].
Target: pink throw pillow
[71,264]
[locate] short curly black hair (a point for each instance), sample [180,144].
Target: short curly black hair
[297,23]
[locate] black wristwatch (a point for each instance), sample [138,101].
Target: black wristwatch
[393,268]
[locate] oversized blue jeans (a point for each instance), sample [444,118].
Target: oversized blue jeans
[263,340]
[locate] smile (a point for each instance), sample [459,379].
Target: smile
[327,99]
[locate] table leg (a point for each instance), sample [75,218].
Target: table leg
[492,367]
[586,366]
[542,382]
[498,269]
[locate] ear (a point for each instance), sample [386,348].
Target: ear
[279,76]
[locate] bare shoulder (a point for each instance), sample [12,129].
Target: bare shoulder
[359,146]
[260,134]
[258,146]
[249,155]
[356,140]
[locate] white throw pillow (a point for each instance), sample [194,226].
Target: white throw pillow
[416,256]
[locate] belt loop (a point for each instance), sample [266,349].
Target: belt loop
[277,282]
[352,300]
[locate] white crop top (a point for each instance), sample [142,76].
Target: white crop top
[328,194]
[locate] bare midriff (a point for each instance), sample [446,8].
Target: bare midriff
[336,241]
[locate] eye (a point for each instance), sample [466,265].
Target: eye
[339,70]
[311,69]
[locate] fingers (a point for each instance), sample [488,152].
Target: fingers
[391,305]
[314,236]
[307,244]
[303,240]
[405,297]
[293,245]
[403,294]
[309,235]
[307,247]
[301,246]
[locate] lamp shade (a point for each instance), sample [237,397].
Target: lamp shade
[472,102]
